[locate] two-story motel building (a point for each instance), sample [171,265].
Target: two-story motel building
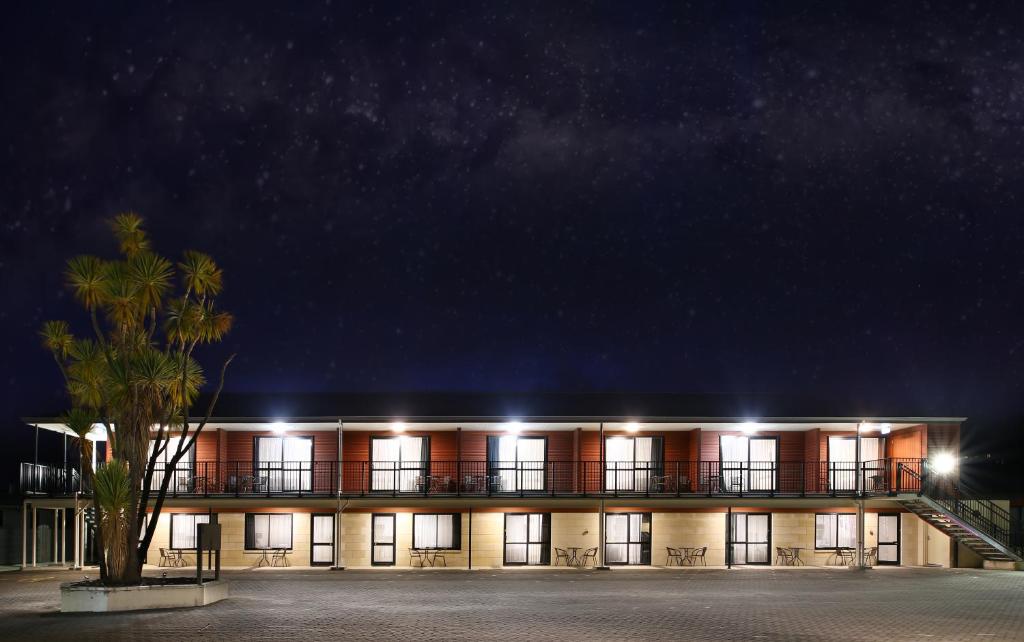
[491,481]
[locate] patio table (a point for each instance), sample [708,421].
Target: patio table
[796,561]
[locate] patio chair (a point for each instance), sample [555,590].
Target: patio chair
[415,555]
[562,555]
[698,554]
[589,557]
[871,556]
[783,554]
[674,555]
[279,558]
[439,557]
[165,559]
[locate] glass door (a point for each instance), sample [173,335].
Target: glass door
[527,539]
[321,549]
[747,463]
[889,538]
[627,538]
[383,537]
[750,537]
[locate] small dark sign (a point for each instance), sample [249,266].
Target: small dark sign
[208,537]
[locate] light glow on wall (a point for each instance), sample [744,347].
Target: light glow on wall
[748,427]
[943,463]
[397,426]
[514,427]
[279,427]
[632,427]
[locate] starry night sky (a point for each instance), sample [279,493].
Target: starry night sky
[764,197]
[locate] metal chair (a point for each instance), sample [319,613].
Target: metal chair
[279,557]
[165,559]
[698,554]
[783,554]
[589,557]
[673,555]
[562,555]
[417,554]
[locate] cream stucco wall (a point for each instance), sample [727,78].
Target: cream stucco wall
[922,543]
[233,541]
[688,529]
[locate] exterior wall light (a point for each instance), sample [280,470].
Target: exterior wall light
[514,427]
[278,427]
[397,426]
[943,463]
[748,427]
[632,427]
[886,429]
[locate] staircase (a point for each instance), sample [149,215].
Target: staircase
[981,525]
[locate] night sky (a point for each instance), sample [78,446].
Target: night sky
[817,197]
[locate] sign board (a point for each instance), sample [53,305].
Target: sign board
[208,537]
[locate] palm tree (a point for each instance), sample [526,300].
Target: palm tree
[136,373]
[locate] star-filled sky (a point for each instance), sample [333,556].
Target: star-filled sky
[743,196]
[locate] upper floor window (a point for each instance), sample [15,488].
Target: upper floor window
[285,464]
[748,463]
[399,463]
[631,462]
[516,463]
[182,477]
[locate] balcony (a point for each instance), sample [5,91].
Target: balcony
[510,479]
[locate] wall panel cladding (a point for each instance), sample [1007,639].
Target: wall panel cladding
[907,443]
[943,438]
[240,443]
[206,445]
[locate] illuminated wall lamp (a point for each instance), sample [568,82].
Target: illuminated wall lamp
[397,427]
[278,427]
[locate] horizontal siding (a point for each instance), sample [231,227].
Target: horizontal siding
[239,445]
[943,437]
[206,445]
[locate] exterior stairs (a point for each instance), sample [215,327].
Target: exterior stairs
[973,538]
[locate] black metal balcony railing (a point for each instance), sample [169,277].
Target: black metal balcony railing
[509,479]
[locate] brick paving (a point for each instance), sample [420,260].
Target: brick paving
[711,604]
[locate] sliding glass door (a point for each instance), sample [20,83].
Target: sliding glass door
[748,463]
[627,538]
[842,463]
[630,462]
[516,463]
[750,537]
[527,539]
[398,463]
[284,464]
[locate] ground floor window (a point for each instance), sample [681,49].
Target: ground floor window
[835,530]
[627,538]
[183,529]
[268,530]
[437,531]
[321,545]
[382,536]
[527,539]
[750,536]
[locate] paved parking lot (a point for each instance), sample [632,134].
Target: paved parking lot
[712,604]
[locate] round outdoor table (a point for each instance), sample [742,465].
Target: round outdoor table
[796,556]
[574,560]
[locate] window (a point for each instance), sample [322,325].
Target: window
[527,539]
[382,551]
[183,529]
[437,531]
[285,464]
[833,530]
[630,462]
[517,463]
[747,463]
[398,463]
[627,538]
[182,476]
[264,531]
[750,536]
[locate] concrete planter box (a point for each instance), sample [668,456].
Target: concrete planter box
[102,599]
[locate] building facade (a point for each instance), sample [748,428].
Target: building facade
[429,486]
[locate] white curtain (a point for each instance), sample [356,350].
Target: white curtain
[847,524]
[424,531]
[385,458]
[618,453]
[635,522]
[280,531]
[183,529]
[735,451]
[298,464]
[516,536]
[384,539]
[643,456]
[757,532]
[181,478]
[739,539]
[269,461]
[530,458]
[323,538]
[762,464]
[411,456]
[261,531]
[534,555]
[870,456]
[616,534]
[445,531]
[825,531]
[842,459]
[507,463]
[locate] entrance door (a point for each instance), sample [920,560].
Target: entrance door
[750,537]
[321,549]
[383,537]
[889,538]
[627,538]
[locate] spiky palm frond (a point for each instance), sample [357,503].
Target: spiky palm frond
[88,374]
[57,338]
[194,380]
[151,275]
[215,325]
[120,295]
[200,274]
[85,275]
[127,228]
[80,422]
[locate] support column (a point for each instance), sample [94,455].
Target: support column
[35,533]
[861,522]
[339,553]
[54,533]
[600,539]
[63,535]
[24,534]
